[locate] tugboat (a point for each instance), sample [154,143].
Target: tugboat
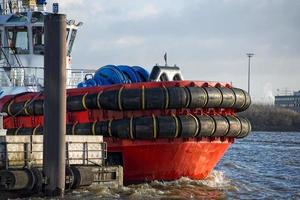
[156,125]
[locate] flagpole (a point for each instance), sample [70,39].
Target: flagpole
[166,58]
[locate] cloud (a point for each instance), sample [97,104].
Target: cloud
[129,41]
[208,38]
[67,3]
[147,11]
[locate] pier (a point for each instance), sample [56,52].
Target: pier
[21,164]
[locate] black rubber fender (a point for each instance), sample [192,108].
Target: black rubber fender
[240,98]
[214,97]
[178,97]
[92,101]
[246,128]
[38,180]
[228,97]
[76,103]
[145,127]
[83,176]
[121,128]
[132,99]
[235,126]
[189,126]
[143,99]
[101,128]
[247,102]
[20,131]
[17,179]
[38,107]
[82,129]
[152,127]
[198,97]
[207,125]
[222,126]
[109,100]
[69,182]
[168,127]
[156,98]
[17,108]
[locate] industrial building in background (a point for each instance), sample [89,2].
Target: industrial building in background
[290,101]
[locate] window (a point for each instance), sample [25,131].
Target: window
[38,40]
[19,17]
[37,17]
[71,42]
[18,39]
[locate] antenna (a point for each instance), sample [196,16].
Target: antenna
[166,58]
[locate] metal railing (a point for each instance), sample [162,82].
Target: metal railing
[26,156]
[34,76]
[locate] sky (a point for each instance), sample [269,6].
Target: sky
[208,39]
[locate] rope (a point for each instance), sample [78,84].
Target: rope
[83,101]
[197,129]
[29,103]
[93,127]
[154,127]
[119,98]
[73,128]
[34,130]
[176,125]
[143,97]
[98,99]
[167,97]
[109,128]
[131,128]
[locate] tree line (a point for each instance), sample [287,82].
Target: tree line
[271,118]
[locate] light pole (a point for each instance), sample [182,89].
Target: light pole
[249,57]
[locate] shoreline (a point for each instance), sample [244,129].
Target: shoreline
[268,118]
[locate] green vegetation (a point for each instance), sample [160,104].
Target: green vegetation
[271,118]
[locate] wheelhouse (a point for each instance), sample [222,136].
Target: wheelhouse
[22,45]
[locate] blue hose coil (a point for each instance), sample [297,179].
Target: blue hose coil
[129,73]
[111,74]
[141,73]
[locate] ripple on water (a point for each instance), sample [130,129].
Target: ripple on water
[262,166]
[184,188]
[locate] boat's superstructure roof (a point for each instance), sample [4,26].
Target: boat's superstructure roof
[29,17]
[24,13]
[22,18]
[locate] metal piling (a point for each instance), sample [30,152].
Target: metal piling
[54,104]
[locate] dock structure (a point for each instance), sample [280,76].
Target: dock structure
[21,164]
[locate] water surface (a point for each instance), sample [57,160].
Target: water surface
[261,166]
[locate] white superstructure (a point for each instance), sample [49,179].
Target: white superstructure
[22,47]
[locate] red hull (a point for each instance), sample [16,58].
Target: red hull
[168,160]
